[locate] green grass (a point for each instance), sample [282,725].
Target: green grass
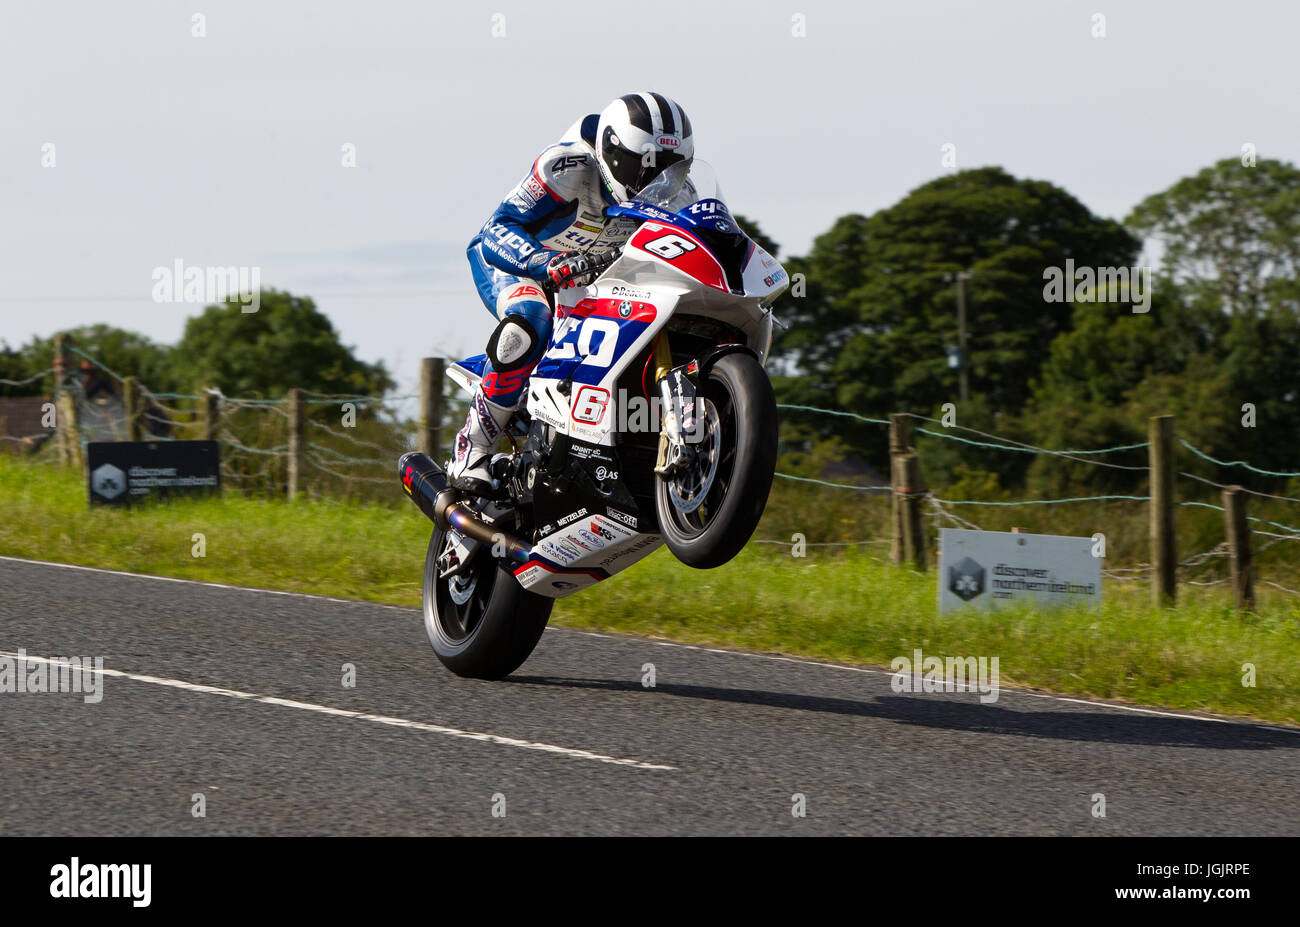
[847,606]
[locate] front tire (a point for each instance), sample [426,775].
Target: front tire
[709,511]
[483,625]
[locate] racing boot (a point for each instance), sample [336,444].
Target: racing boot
[476,443]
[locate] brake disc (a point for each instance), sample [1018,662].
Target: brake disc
[690,486]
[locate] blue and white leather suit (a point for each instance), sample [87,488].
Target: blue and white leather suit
[559,206]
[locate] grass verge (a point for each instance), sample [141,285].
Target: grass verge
[848,606]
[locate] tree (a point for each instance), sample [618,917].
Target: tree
[287,343]
[126,353]
[1230,234]
[880,308]
[1104,378]
[14,367]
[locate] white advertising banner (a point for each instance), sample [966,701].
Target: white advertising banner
[980,569]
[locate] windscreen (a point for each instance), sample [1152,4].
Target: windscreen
[682,184]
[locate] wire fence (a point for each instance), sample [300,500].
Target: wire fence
[1213,559]
[349,444]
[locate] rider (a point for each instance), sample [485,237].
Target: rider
[541,232]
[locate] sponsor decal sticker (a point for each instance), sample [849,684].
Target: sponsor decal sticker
[556,552]
[535,188]
[624,517]
[614,527]
[560,165]
[629,292]
[589,452]
[630,548]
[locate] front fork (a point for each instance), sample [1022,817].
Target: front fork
[678,410]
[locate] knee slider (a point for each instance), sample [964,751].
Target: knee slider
[512,345]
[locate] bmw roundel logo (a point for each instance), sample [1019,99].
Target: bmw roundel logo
[625,308]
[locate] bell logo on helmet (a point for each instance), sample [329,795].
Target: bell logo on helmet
[667,141]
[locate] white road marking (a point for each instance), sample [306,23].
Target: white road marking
[627,637]
[360,716]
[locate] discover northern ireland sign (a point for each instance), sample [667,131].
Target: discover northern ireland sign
[123,472]
[982,569]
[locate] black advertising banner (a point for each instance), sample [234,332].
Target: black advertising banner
[123,472]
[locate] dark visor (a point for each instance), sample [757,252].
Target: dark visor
[627,168]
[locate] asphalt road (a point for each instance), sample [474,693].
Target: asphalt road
[237,695]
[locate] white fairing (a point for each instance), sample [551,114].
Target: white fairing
[656,291]
[665,270]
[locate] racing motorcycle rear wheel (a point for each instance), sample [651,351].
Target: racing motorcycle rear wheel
[483,624]
[709,509]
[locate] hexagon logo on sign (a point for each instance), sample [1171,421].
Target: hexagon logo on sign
[966,579]
[108,481]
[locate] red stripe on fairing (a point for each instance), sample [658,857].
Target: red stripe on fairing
[534,560]
[698,263]
[607,308]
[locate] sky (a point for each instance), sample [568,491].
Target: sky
[227,148]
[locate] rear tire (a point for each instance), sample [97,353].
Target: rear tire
[733,477]
[495,626]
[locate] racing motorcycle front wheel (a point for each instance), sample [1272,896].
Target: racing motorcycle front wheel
[708,509]
[482,624]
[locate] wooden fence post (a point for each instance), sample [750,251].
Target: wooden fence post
[1164,547]
[910,494]
[1237,532]
[211,414]
[900,440]
[296,445]
[134,409]
[66,414]
[432,370]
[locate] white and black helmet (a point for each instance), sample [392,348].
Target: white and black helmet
[638,136]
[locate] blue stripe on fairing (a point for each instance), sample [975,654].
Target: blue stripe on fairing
[629,330]
[475,365]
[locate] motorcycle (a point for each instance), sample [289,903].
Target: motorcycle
[649,421]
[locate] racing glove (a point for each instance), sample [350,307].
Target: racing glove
[571,268]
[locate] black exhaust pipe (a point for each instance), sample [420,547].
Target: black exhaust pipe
[426,484]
